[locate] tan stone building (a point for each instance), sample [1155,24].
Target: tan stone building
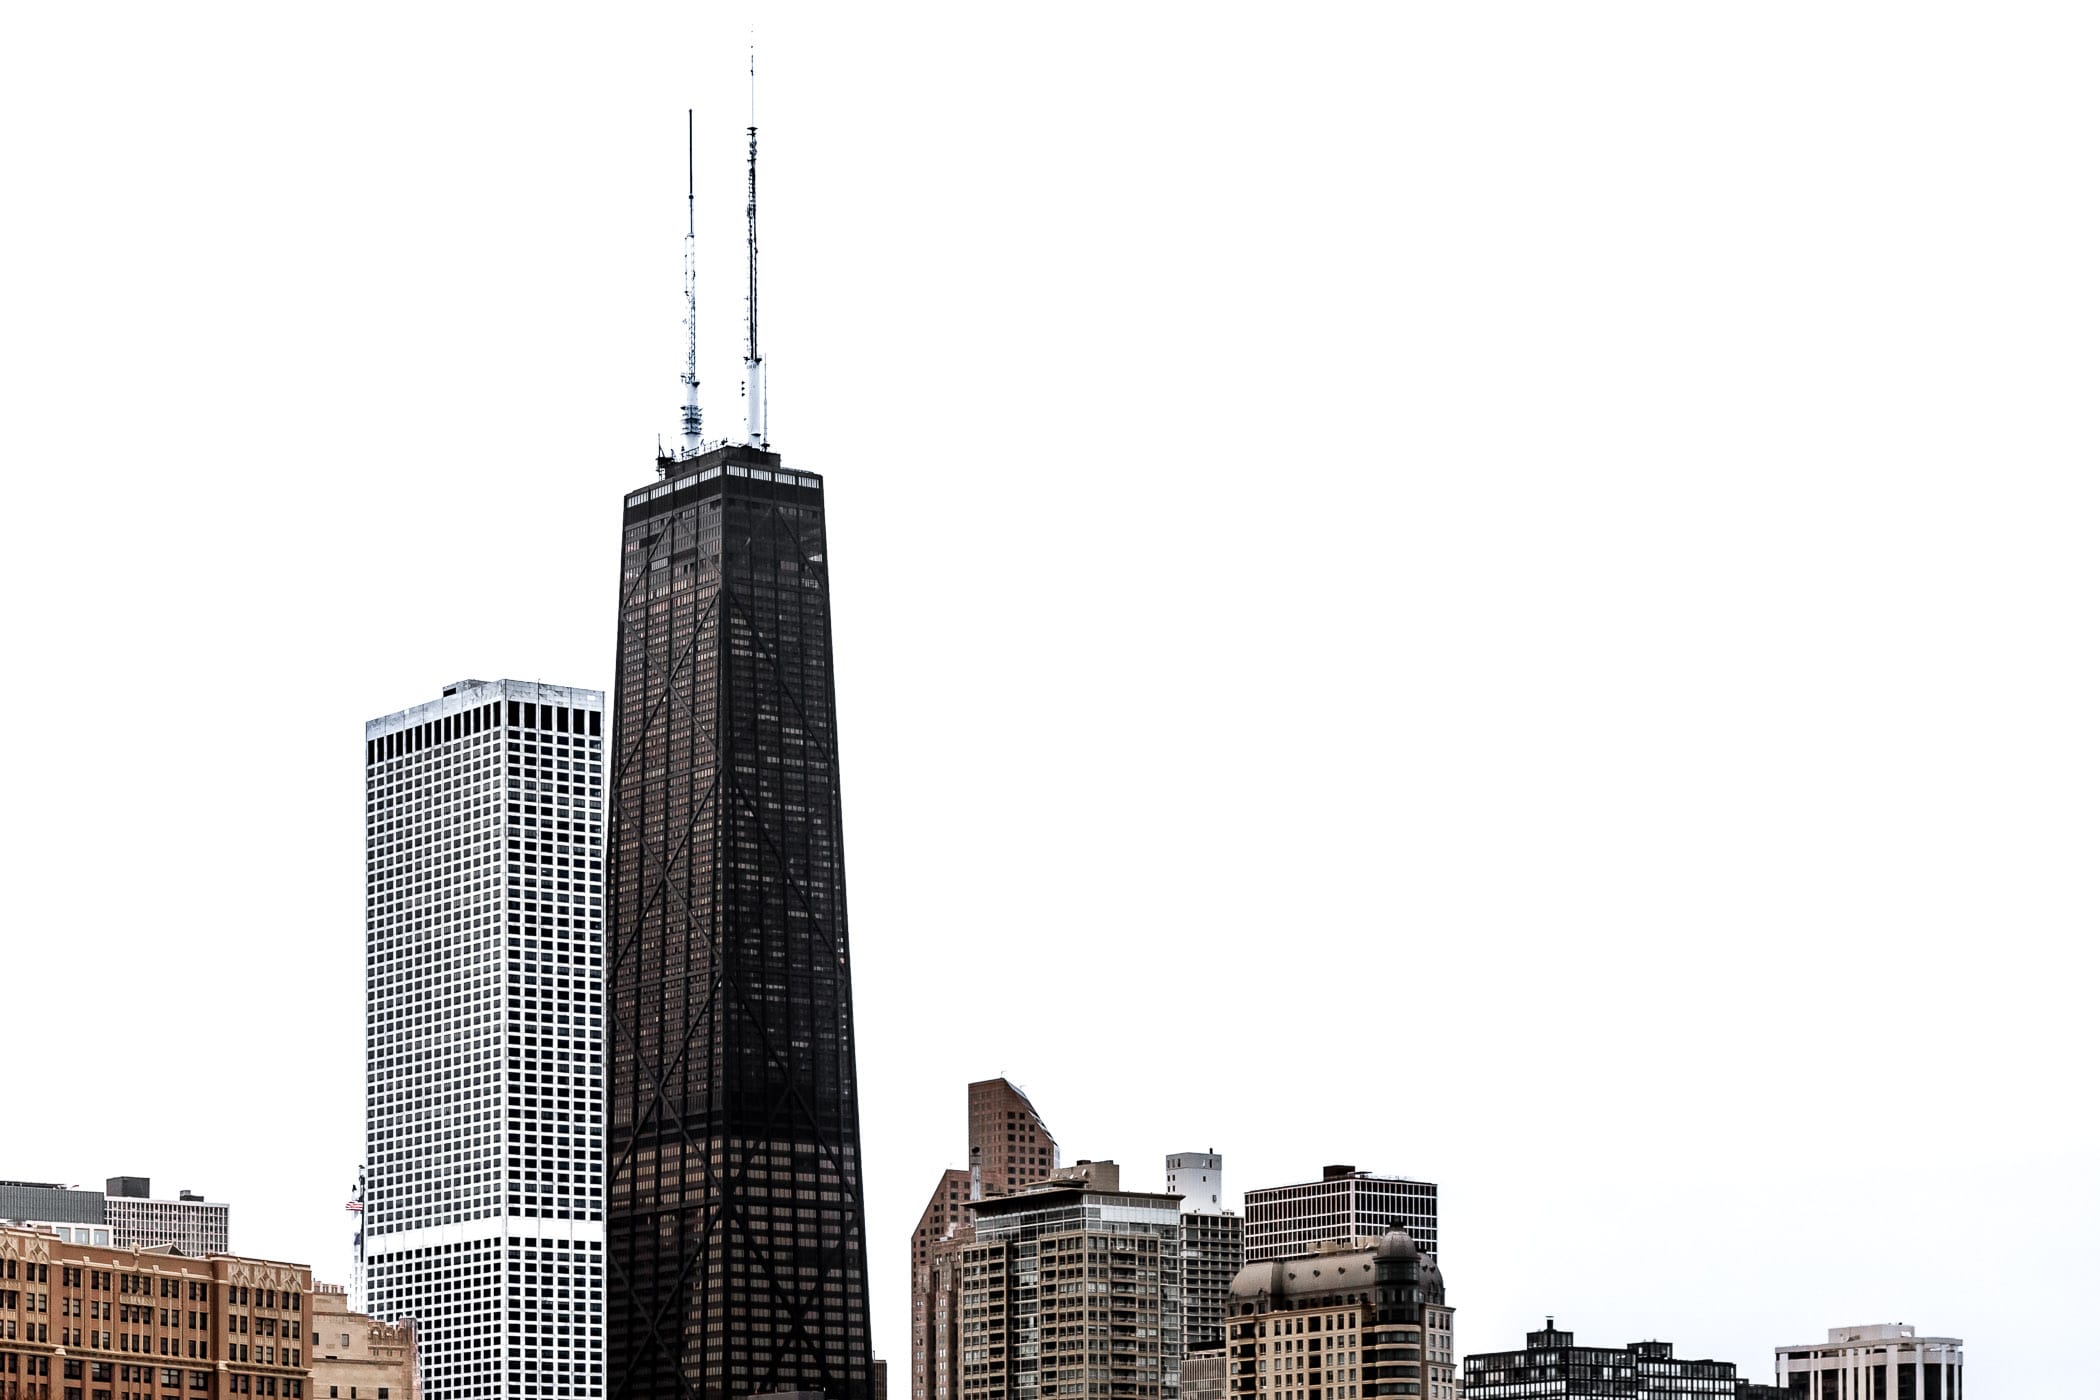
[1349,1320]
[87,1322]
[1010,1147]
[356,1357]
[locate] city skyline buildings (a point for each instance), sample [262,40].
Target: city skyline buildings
[484,1196]
[260,907]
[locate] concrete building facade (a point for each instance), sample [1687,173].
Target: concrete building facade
[1347,1320]
[1071,1288]
[354,1357]
[1213,1247]
[1343,1204]
[1882,1361]
[124,1215]
[1199,1179]
[484,1195]
[188,1223]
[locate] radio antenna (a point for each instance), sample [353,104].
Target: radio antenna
[754,363]
[692,305]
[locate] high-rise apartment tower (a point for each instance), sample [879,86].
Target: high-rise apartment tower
[1010,1147]
[484,1037]
[1071,1288]
[734,1216]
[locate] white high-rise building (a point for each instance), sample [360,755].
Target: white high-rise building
[484,1204]
[1343,1204]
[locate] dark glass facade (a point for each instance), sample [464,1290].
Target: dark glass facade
[733,1214]
[1551,1364]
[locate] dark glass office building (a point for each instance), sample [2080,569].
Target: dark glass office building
[1551,1364]
[733,1213]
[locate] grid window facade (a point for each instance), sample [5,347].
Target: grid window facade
[1287,1220]
[485,1014]
[1066,1294]
[1213,1247]
[196,1228]
[1551,1365]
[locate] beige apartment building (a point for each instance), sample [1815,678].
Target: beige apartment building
[1071,1287]
[356,1357]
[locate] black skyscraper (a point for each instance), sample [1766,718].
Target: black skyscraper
[733,1210]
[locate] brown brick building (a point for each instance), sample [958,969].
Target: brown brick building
[89,1322]
[82,1322]
[1010,1147]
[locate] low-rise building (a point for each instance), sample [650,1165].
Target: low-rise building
[355,1357]
[1552,1365]
[87,1322]
[124,1215]
[1882,1361]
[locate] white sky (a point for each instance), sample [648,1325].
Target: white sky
[1503,592]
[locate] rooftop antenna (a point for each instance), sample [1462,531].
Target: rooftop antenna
[754,363]
[692,306]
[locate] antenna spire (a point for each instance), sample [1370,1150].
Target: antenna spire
[692,305]
[754,363]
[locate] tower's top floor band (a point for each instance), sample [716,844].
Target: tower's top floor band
[462,696]
[753,466]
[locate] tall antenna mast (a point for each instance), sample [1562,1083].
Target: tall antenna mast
[754,363]
[692,306]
